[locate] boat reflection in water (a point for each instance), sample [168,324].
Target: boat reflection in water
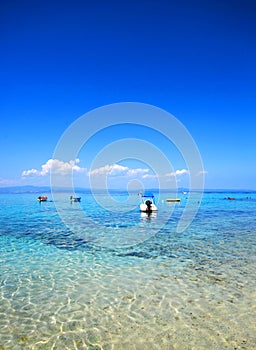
[148,216]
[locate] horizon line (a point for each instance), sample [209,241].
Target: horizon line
[63,188]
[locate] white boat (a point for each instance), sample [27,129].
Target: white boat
[147,204]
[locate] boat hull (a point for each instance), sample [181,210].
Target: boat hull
[76,199]
[42,198]
[144,208]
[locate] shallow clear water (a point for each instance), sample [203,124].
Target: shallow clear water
[116,279]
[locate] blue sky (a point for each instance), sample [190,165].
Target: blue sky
[194,59]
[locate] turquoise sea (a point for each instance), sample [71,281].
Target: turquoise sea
[113,278]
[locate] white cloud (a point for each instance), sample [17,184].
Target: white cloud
[138,171]
[55,166]
[108,170]
[30,172]
[181,172]
[202,172]
[117,170]
[149,176]
[178,173]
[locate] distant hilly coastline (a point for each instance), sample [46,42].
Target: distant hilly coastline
[47,189]
[28,189]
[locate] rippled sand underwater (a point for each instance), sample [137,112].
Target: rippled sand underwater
[190,290]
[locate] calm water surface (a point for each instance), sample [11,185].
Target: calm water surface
[112,278]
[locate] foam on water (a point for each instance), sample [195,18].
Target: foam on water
[63,289]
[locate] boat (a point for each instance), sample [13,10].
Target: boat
[147,204]
[42,198]
[173,200]
[75,199]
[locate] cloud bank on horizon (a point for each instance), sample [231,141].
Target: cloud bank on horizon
[116,171]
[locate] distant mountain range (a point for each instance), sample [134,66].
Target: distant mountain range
[47,189]
[26,189]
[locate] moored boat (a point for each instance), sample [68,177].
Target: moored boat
[173,200]
[42,198]
[147,204]
[75,199]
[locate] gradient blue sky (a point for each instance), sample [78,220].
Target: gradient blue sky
[194,59]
